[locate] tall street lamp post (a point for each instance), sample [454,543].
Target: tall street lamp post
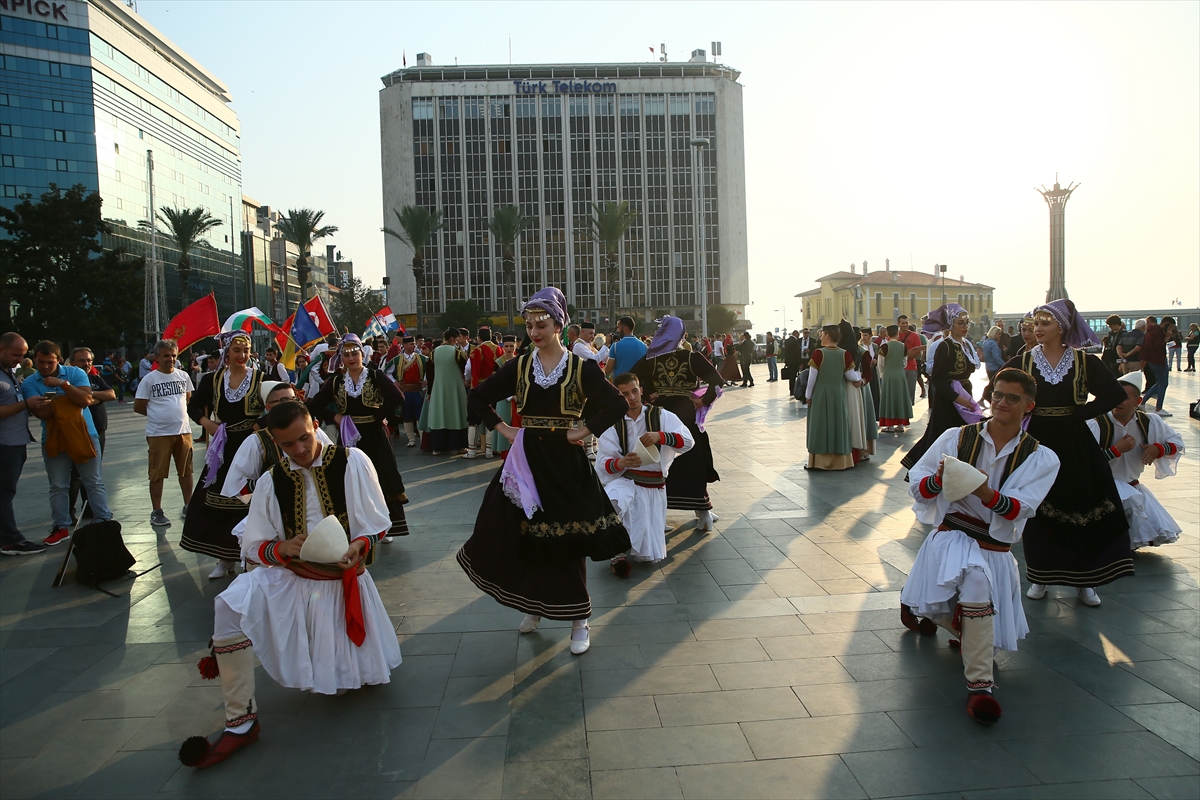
[698,145]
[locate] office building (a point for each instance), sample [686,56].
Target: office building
[555,139]
[89,91]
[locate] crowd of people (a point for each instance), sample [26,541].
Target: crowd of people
[599,437]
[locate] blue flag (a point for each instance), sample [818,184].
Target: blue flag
[304,330]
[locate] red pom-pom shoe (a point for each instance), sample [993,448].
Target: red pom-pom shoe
[926,627]
[620,566]
[198,752]
[983,708]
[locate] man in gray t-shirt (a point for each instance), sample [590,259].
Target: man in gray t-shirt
[1129,348]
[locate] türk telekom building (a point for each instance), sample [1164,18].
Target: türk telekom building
[554,139]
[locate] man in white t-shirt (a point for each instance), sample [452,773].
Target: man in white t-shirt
[162,397]
[718,348]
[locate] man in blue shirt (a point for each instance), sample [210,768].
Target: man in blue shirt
[14,437]
[51,380]
[626,352]
[993,356]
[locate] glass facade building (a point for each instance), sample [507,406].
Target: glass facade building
[557,141]
[88,90]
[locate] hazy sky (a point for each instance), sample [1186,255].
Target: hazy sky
[914,132]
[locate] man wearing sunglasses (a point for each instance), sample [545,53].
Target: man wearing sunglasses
[965,578]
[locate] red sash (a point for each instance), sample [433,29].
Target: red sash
[356,628]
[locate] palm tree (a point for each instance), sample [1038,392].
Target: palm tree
[187,227]
[506,225]
[608,226]
[302,227]
[418,225]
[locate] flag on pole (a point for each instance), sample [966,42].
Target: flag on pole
[381,323]
[194,323]
[246,318]
[320,316]
[303,329]
[287,344]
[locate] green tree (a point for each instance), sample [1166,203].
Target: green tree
[186,226]
[418,226]
[302,227]
[608,226]
[506,224]
[353,306]
[58,283]
[720,320]
[462,314]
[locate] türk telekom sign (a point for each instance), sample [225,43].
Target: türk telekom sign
[47,10]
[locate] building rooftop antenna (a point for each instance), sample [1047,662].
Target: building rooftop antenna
[663,49]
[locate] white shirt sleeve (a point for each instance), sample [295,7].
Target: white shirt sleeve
[264,524]
[812,383]
[930,510]
[853,375]
[1162,433]
[365,507]
[608,447]
[247,465]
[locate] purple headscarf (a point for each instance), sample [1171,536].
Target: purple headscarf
[940,318]
[349,340]
[551,301]
[667,337]
[1075,331]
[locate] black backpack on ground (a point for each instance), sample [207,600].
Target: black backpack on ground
[100,553]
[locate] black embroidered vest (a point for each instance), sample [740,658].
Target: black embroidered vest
[330,480]
[571,394]
[1108,430]
[653,425]
[970,445]
[1079,384]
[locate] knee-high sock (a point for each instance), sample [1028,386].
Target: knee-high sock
[977,643]
[472,437]
[235,658]
[410,429]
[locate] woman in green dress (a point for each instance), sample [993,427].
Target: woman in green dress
[830,369]
[444,415]
[895,403]
[504,408]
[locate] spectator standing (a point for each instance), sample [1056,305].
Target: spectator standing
[912,347]
[14,438]
[120,377]
[793,361]
[83,358]
[274,371]
[1193,343]
[772,359]
[146,365]
[75,438]
[1154,349]
[745,353]
[718,351]
[162,397]
[1116,329]
[993,353]
[627,351]
[1129,348]
[1175,351]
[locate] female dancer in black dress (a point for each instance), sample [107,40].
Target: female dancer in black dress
[225,404]
[364,396]
[670,377]
[954,359]
[545,510]
[1080,536]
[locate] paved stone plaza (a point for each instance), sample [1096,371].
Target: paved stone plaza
[764,660]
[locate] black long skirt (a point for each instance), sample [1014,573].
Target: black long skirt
[692,472]
[375,445]
[537,565]
[211,517]
[1080,536]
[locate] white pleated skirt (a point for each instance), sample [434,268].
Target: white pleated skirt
[934,580]
[644,514]
[1149,523]
[298,627]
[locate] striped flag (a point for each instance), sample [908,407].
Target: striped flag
[245,319]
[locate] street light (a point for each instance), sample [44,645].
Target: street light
[698,145]
[784,312]
[942,269]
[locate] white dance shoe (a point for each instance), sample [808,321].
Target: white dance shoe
[1088,596]
[1036,591]
[530,623]
[222,569]
[580,646]
[704,521]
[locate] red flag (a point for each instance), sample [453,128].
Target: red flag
[320,316]
[282,338]
[194,323]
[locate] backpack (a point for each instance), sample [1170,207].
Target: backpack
[100,553]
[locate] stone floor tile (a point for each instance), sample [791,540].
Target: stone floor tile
[899,773]
[656,783]
[760,627]
[791,583]
[1173,677]
[739,705]
[885,695]
[1182,646]
[653,681]
[763,674]
[905,664]
[818,776]
[823,644]
[77,753]
[665,747]
[1107,756]
[147,694]
[568,780]
[475,707]
[1177,723]
[1089,790]
[849,733]
[620,713]
[723,651]
[1170,788]
[458,768]
[129,774]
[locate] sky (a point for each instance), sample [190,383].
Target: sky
[914,132]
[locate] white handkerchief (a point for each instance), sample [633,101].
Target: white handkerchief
[959,479]
[326,543]
[648,455]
